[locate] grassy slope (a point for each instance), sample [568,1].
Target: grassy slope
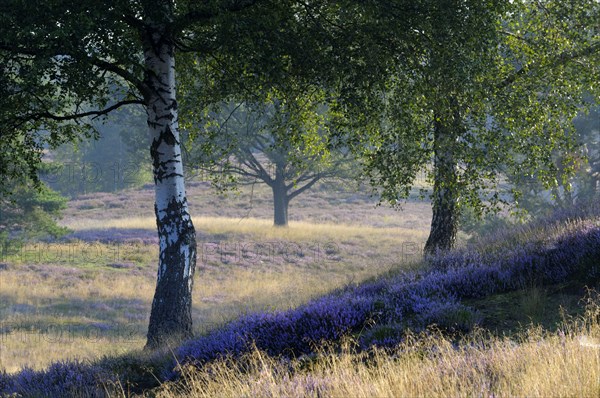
[529,362]
[550,345]
[544,320]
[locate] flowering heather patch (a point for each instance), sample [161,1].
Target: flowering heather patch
[417,299]
[5,382]
[295,331]
[61,379]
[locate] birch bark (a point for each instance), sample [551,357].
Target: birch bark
[170,317]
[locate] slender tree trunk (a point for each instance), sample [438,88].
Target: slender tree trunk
[280,198]
[444,223]
[170,318]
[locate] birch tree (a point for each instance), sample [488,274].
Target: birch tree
[60,59]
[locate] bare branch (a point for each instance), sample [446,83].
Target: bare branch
[75,116]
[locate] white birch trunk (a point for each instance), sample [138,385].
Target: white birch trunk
[170,318]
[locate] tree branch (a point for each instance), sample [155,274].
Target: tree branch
[262,173]
[75,116]
[559,60]
[102,64]
[125,74]
[304,188]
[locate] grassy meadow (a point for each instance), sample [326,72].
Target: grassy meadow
[90,296]
[338,304]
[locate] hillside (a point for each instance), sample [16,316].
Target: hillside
[535,275]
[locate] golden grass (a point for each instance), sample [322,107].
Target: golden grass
[27,287]
[70,284]
[64,319]
[260,228]
[30,348]
[534,364]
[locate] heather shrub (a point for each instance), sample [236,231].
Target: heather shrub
[61,379]
[292,332]
[5,382]
[378,310]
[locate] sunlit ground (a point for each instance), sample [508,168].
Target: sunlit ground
[91,297]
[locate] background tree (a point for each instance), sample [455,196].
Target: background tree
[579,187]
[29,212]
[281,143]
[587,127]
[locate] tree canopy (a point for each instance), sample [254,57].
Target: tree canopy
[491,90]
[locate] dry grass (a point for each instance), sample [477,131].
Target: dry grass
[535,364]
[37,350]
[73,300]
[262,228]
[51,313]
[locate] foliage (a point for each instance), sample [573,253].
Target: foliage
[46,55]
[503,79]
[579,187]
[30,212]
[65,66]
[248,140]
[479,226]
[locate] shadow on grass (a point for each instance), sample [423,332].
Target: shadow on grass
[61,320]
[549,306]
